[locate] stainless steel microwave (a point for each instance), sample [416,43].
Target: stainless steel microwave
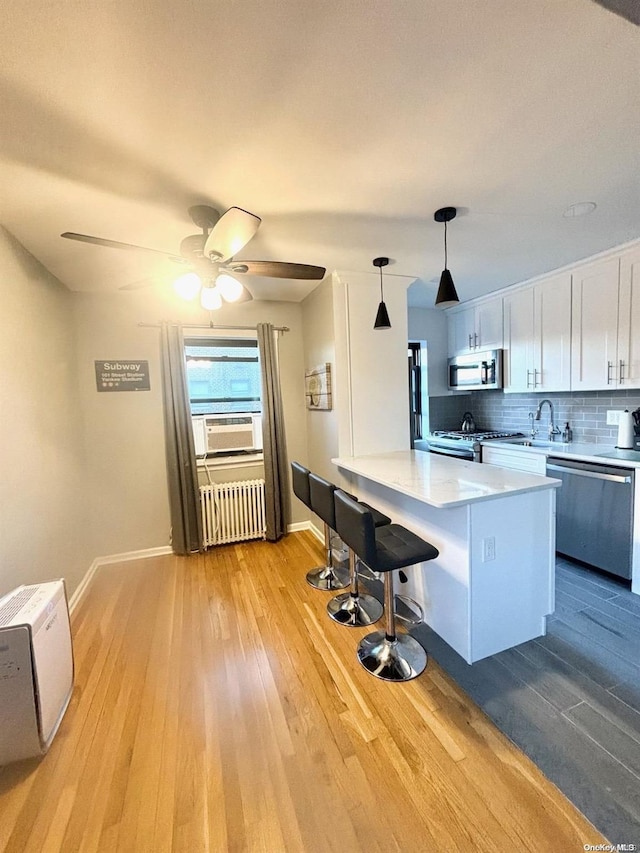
[475,371]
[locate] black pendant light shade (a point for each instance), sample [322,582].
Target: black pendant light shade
[447,295]
[446,291]
[382,317]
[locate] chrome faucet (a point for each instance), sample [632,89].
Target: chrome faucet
[553,429]
[533,431]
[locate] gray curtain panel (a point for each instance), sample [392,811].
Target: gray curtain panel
[182,471]
[273,436]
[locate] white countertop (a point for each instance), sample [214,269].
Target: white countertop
[442,481]
[576,450]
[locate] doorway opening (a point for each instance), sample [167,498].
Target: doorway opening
[418,392]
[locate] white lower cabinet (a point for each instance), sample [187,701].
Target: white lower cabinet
[519,460]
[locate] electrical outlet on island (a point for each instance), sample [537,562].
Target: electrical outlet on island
[488,549]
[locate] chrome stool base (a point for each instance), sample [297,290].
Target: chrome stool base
[400,659]
[328,578]
[354,611]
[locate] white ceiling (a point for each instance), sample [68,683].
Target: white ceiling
[344,125]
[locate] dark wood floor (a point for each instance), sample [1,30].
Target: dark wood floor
[571,700]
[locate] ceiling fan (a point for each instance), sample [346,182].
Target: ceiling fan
[209,257]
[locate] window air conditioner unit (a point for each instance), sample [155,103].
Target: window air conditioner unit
[227,433]
[36,668]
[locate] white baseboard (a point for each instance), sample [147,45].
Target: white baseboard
[319,534]
[297,526]
[157,552]
[306,525]
[113,558]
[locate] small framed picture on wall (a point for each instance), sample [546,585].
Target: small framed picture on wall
[317,387]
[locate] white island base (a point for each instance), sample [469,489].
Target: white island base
[492,585]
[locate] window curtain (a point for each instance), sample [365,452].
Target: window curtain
[273,435]
[182,471]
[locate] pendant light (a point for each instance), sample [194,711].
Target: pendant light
[382,317]
[447,295]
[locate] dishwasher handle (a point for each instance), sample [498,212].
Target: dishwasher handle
[596,475]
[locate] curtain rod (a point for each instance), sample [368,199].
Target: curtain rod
[212,326]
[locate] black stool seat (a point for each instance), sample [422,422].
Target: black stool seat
[397,547]
[379,518]
[384,654]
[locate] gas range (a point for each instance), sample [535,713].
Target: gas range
[465,445]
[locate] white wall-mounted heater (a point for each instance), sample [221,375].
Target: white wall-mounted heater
[36,668]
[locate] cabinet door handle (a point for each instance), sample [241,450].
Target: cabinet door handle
[621,372]
[529,372]
[470,344]
[475,339]
[535,378]
[609,366]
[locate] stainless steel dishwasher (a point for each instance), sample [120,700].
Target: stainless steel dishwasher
[594,513]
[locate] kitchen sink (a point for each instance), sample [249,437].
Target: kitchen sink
[532,442]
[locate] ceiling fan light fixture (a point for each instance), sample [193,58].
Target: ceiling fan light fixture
[230,288]
[188,286]
[382,320]
[447,295]
[210,298]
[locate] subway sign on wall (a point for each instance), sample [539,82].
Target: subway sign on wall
[121,375]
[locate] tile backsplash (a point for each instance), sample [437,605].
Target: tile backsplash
[586,412]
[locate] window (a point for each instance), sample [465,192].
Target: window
[223,375]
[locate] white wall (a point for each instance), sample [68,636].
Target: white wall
[126,473]
[320,348]
[372,375]
[43,523]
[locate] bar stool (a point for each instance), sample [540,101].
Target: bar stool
[351,608]
[322,577]
[385,654]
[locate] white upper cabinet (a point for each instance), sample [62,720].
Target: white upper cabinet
[595,363]
[552,334]
[577,330]
[537,336]
[629,320]
[518,341]
[476,328]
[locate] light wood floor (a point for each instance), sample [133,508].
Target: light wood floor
[217,708]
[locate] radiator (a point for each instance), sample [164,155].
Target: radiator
[232,512]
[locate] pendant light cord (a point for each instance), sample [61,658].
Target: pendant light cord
[381,294]
[445,244]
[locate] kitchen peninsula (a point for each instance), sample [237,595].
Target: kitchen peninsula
[492,585]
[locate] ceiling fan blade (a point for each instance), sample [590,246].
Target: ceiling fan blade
[231,232]
[247,296]
[114,244]
[278,269]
